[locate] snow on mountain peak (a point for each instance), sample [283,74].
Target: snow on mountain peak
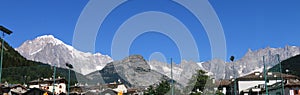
[48,49]
[49,39]
[45,36]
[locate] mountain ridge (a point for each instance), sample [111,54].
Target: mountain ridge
[251,61]
[58,53]
[17,69]
[219,69]
[133,71]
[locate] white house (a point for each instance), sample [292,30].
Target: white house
[291,87]
[18,89]
[60,84]
[255,82]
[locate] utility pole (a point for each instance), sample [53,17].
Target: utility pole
[70,66]
[265,76]
[280,69]
[7,31]
[53,86]
[172,88]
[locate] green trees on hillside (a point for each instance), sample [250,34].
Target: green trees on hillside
[202,84]
[161,89]
[290,64]
[18,70]
[199,84]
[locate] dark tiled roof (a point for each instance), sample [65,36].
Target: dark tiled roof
[223,82]
[34,90]
[18,85]
[260,76]
[47,81]
[291,83]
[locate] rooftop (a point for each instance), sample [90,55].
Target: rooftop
[270,76]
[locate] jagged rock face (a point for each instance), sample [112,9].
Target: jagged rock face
[252,61]
[182,72]
[136,63]
[133,71]
[48,49]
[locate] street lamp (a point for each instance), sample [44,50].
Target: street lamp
[70,67]
[234,89]
[287,71]
[6,31]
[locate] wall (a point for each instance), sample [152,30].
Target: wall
[242,85]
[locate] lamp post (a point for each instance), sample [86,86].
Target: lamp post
[265,76]
[53,85]
[70,67]
[287,71]
[280,68]
[6,31]
[172,88]
[234,76]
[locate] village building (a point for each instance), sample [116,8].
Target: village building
[37,91]
[18,89]
[291,87]
[254,84]
[60,84]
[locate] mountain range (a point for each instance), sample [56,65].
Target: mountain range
[134,71]
[252,61]
[59,53]
[16,69]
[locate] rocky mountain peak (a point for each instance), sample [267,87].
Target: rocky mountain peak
[133,58]
[58,53]
[137,63]
[249,50]
[252,61]
[133,71]
[48,39]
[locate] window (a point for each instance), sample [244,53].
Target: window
[60,86]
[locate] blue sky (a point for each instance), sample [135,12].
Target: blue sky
[248,24]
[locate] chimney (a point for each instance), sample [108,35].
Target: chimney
[213,80]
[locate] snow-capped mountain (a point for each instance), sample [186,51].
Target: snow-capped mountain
[48,49]
[59,53]
[252,61]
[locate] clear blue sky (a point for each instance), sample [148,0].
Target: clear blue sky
[248,24]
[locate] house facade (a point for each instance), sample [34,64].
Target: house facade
[256,83]
[18,89]
[59,85]
[291,87]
